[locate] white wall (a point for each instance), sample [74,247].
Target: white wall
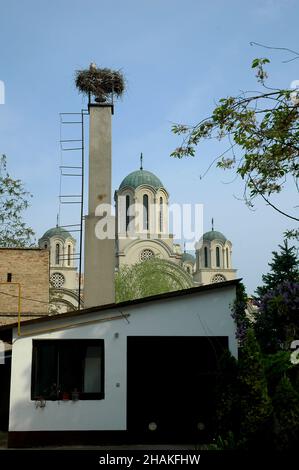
[199,314]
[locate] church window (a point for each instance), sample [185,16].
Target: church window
[146,255]
[217,256]
[218,278]
[206,257]
[227,258]
[57,280]
[69,252]
[127,211]
[57,253]
[161,214]
[145,212]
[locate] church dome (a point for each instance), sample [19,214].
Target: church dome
[140,177]
[188,257]
[214,235]
[58,232]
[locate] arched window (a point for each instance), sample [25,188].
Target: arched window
[206,257]
[145,212]
[46,246]
[188,269]
[161,214]
[217,257]
[227,258]
[218,278]
[57,253]
[127,211]
[69,252]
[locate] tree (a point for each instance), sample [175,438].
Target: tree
[239,313]
[226,397]
[148,278]
[277,320]
[284,267]
[254,402]
[13,201]
[286,416]
[262,135]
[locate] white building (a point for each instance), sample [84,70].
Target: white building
[139,371]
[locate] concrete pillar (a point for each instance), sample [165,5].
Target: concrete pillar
[99,258]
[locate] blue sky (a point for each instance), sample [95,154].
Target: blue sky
[179,57]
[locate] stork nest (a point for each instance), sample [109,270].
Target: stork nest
[101,83]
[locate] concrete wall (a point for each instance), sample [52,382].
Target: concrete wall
[198,314]
[99,258]
[30,268]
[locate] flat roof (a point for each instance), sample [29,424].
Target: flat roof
[24,248]
[127,303]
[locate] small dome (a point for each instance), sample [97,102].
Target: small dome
[188,257]
[139,177]
[214,235]
[56,231]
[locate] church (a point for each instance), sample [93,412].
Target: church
[142,233]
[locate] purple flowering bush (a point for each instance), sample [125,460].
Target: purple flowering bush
[277,319]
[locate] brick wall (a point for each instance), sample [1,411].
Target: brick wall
[29,267]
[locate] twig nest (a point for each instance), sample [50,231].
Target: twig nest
[100,82]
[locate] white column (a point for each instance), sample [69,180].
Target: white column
[99,259]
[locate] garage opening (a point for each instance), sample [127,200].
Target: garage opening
[170,387]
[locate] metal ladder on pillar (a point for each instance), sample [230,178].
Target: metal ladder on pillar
[72,166]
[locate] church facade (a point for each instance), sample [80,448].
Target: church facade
[142,233]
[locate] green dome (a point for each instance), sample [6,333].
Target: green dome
[188,257]
[139,177]
[214,235]
[56,231]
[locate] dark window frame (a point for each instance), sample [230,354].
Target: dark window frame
[145,203]
[128,203]
[69,254]
[57,254]
[60,343]
[218,259]
[161,215]
[206,259]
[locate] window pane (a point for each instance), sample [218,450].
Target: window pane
[127,211]
[92,370]
[71,356]
[206,257]
[217,257]
[45,370]
[145,212]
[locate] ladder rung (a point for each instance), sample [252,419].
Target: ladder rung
[71,122]
[70,202]
[69,174]
[70,225]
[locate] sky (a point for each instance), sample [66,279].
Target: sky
[178,57]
